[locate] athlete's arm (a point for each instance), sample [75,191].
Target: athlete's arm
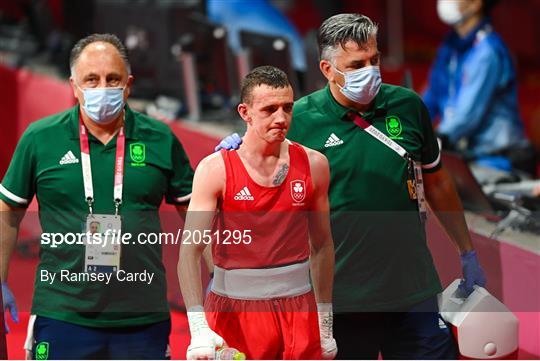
[207,254]
[320,236]
[322,251]
[207,258]
[208,185]
[182,209]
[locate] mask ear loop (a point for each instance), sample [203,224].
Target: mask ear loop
[336,69]
[80,89]
[342,74]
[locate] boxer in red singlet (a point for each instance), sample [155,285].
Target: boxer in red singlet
[272,198]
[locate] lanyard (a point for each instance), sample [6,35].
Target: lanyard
[414,166]
[377,134]
[87,169]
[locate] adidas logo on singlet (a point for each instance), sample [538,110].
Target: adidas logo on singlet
[68,158]
[332,141]
[244,195]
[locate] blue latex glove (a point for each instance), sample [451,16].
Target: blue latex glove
[9,304]
[230,142]
[473,274]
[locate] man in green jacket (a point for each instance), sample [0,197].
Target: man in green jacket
[97,164]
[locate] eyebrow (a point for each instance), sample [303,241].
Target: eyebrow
[362,62]
[113,74]
[90,75]
[277,105]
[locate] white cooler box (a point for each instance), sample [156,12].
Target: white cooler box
[484,328]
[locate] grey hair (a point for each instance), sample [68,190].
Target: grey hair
[105,38]
[342,28]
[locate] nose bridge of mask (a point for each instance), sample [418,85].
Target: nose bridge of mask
[101,88]
[361,85]
[94,97]
[103,96]
[351,76]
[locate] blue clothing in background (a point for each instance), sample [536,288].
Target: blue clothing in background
[472,89]
[256,16]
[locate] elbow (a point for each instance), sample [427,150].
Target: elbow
[326,248]
[187,255]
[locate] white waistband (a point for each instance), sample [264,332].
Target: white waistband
[262,283]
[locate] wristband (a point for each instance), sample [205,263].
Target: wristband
[324,307]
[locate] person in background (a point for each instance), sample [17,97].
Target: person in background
[472,90]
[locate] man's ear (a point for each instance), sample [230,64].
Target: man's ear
[127,91]
[243,111]
[73,87]
[76,91]
[326,70]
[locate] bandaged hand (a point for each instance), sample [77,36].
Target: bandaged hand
[326,322]
[204,341]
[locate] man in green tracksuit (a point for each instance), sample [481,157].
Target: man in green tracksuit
[95,167]
[385,279]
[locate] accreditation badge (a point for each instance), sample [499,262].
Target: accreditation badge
[420,193]
[102,246]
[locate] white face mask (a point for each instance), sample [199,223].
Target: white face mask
[361,85]
[103,105]
[448,11]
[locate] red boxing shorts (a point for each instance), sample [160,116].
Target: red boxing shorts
[281,328]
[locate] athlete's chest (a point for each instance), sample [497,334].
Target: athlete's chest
[244,194]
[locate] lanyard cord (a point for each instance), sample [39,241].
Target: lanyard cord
[87,168]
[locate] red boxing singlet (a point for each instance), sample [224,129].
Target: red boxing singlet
[276,217]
